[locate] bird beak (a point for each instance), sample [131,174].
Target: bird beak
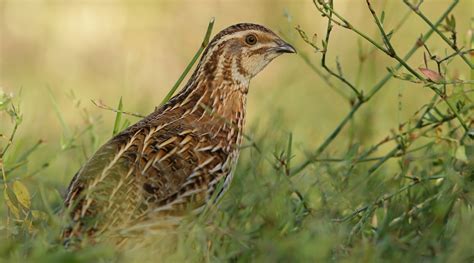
[284,47]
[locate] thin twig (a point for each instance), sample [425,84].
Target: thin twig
[324,77]
[106,107]
[376,88]
[393,54]
[386,39]
[323,59]
[10,140]
[379,201]
[435,28]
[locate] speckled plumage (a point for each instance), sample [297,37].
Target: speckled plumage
[172,161]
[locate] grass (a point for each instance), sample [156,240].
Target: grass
[405,196]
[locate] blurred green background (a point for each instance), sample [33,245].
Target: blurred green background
[104,50]
[56,56]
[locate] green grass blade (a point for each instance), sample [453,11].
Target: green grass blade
[66,131]
[289,152]
[118,118]
[191,63]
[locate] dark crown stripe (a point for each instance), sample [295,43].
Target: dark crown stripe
[237,28]
[231,30]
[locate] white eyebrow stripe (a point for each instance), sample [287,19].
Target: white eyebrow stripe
[237,35]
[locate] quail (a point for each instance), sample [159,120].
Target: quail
[181,156]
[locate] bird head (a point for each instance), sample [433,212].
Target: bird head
[241,51]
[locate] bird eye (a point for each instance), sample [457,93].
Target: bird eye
[251,39]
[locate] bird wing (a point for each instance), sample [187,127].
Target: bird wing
[163,166]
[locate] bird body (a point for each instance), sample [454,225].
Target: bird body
[173,161]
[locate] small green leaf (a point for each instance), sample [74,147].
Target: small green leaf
[461,153]
[37,214]
[407,76]
[382,17]
[460,105]
[11,206]
[324,44]
[22,194]
[450,22]
[390,34]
